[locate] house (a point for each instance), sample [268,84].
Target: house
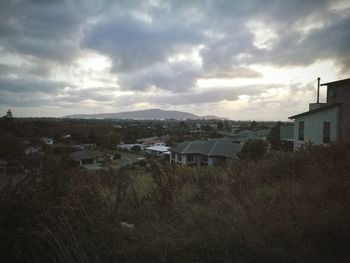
[263,133]
[211,152]
[84,146]
[325,122]
[85,156]
[150,141]
[246,135]
[129,147]
[157,150]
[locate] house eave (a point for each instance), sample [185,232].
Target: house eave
[336,82]
[314,111]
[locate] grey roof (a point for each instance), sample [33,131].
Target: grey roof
[85,154]
[314,111]
[209,148]
[263,132]
[245,132]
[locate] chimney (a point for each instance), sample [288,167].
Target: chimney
[318,90]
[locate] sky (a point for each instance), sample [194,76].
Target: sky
[243,60]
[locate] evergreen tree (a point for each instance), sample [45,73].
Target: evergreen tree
[9,114]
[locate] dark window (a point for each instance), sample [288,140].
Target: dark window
[301,130]
[326,132]
[179,157]
[190,158]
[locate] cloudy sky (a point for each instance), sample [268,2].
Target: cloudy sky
[246,59]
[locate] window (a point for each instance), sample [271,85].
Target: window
[326,132]
[301,131]
[179,157]
[190,158]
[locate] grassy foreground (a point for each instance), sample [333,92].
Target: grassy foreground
[288,207]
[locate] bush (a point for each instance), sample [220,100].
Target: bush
[253,149]
[136,149]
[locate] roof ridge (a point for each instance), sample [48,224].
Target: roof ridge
[183,151]
[212,148]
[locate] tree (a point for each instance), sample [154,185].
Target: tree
[108,141]
[207,128]
[253,149]
[136,148]
[183,125]
[220,125]
[227,126]
[274,137]
[7,123]
[253,125]
[8,114]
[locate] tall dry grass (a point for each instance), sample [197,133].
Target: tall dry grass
[287,207]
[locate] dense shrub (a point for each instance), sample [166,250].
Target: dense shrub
[253,149]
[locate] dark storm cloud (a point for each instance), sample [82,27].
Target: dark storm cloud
[13,85]
[97,94]
[34,93]
[133,43]
[25,70]
[175,77]
[28,92]
[213,95]
[293,48]
[234,38]
[202,97]
[43,30]
[143,38]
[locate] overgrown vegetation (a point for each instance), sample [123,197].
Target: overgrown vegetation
[286,207]
[253,149]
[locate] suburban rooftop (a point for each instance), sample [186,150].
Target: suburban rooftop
[215,147]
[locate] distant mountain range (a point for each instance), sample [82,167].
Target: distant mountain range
[151,114]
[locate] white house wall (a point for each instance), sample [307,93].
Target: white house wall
[313,127]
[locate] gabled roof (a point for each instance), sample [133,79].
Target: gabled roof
[209,148]
[158,148]
[85,154]
[315,111]
[336,82]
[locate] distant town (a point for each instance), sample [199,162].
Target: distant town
[110,143]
